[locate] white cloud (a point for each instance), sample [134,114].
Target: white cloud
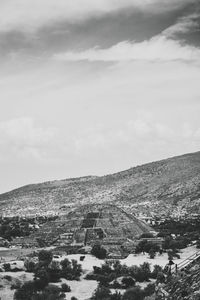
[32,14]
[157,48]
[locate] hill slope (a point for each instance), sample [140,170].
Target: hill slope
[186,285]
[165,186]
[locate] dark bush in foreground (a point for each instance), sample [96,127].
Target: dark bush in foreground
[134,293]
[28,292]
[149,289]
[99,252]
[101,293]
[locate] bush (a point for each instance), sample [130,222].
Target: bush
[101,293]
[116,296]
[65,288]
[116,285]
[112,270]
[7,267]
[152,253]
[149,289]
[7,277]
[134,293]
[98,251]
[160,277]
[25,292]
[170,255]
[52,292]
[16,284]
[145,246]
[29,265]
[54,271]
[45,256]
[70,270]
[29,292]
[128,282]
[157,269]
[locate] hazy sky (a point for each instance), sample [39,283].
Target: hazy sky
[90,87]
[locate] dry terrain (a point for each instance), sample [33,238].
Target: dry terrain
[162,187]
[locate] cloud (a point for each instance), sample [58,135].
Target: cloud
[157,48]
[32,14]
[141,140]
[184,24]
[21,138]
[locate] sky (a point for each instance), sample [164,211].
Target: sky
[94,87]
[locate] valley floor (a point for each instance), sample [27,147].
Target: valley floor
[82,289]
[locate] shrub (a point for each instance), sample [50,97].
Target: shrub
[71,270]
[29,265]
[116,296]
[29,292]
[116,285]
[149,289]
[101,293]
[65,288]
[112,270]
[99,251]
[52,292]
[45,256]
[134,293]
[145,246]
[152,253]
[7,277]
[157,269]
[16,284]
[160,277]
[128,282]
[170,255]
[7,267]
[25,292]
[41,278]
[54,271]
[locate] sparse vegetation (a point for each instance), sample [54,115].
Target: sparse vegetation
[110,271]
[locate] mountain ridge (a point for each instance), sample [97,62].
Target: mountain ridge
[173,183]
[92,176]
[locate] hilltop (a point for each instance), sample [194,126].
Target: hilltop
[163,187]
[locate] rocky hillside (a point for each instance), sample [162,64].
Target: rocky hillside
[186,285]
[167,186]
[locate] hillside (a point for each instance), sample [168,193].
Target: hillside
[162,187]
[185,285]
